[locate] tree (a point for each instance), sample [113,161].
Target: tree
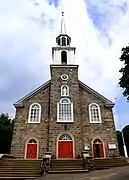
[126,137]
[120,143]
[124,80]
[6,130]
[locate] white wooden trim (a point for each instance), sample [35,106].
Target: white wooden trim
[95,122]
[65,121]
[67,90]
[65,132]
[30,114]
[25,153]
[99,96]
[19,102]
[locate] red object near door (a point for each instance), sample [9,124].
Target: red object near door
[98,148]
[101,150]
[94,149]
[65,149]
[31,151]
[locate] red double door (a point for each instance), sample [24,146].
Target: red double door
[31,151]
[98,150]
[65,149]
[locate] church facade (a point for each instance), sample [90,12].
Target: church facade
[64,116]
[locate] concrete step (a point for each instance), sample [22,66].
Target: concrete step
[67,171]
[20,168]
[19,175]
[17,178]
[66,168]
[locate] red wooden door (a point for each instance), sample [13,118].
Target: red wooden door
[31,151]
[94,149]
[98,150]
[65,149]
[101,150]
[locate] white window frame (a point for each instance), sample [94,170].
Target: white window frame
[29,117]
[65,121]
[62,91]
[90,116]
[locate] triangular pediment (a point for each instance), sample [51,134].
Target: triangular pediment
[20,102]
[96,94]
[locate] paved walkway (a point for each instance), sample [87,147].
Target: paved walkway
[117,173]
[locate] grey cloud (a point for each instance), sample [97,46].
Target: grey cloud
[103,13]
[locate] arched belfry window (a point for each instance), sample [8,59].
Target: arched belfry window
[94,113]
[34,113]
[64,57]
[65,111]
[68,42]
[59,41]
[64,90]
[63,41]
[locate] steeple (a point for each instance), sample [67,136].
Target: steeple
[63,53]
[63,39]
[63,27]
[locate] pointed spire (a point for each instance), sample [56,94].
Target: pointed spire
[63,27]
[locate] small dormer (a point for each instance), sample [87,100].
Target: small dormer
[63,54]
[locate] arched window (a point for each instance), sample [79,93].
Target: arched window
[94,113]
[63,41]
[64,57]
[68,42]
[34,113]
[32,141]
[65,111]
[65,137]
[59,41]
[64,90]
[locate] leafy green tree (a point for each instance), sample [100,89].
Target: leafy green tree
[124,80]
[120,143]
[126,137]
[6,130]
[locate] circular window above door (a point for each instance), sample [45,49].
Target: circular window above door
[65,137]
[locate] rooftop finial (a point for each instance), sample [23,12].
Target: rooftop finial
[63,28]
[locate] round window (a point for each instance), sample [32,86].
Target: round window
[64,77]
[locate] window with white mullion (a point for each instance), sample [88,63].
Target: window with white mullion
[64,90]
[94,113]
[65,112]
[34,113]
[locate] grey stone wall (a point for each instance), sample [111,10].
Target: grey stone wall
[48,130]
[56,128]
[24,130]
[105,131]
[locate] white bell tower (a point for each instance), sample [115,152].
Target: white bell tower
[63,54]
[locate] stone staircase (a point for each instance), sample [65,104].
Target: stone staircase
[77,165]
[67,166]
[109,162]
[19,168]
[27,169]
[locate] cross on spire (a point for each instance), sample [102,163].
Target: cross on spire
[63,27]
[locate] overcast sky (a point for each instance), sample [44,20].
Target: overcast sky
[28,28]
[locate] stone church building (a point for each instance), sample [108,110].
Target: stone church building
[64,116]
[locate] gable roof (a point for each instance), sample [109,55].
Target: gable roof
[108,103]
[19,103]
